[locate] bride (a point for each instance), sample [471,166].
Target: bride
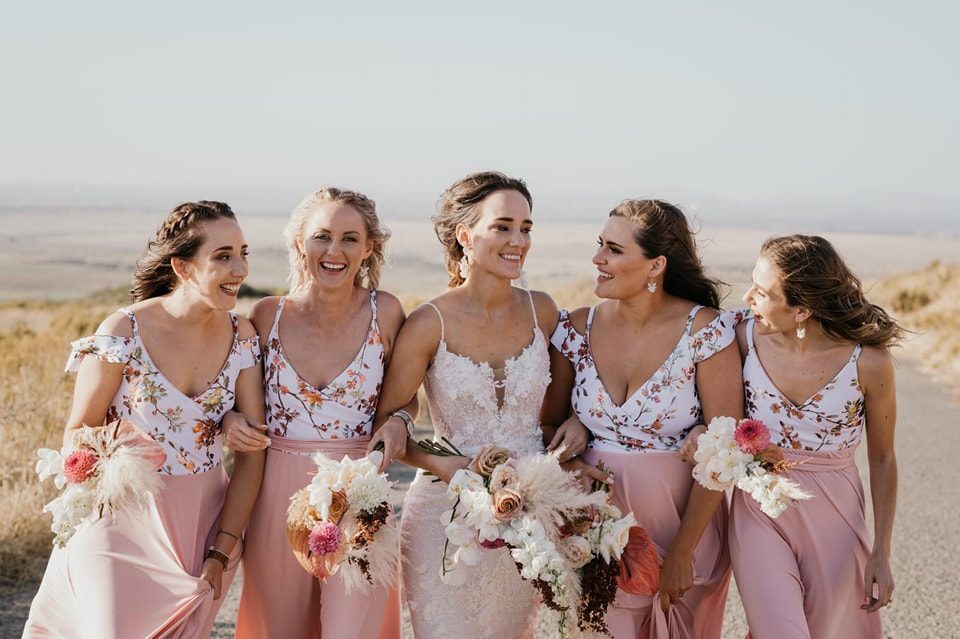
[480,349]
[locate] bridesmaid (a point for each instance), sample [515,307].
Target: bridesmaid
[641,369]
[325,346]
[172,363]
[818,371]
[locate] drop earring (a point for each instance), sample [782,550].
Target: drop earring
[652,286]
[364,271]
[801,331]
[465,263]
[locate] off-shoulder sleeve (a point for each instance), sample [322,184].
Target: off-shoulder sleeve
[715,336]
[107,348]
[249,351]
[566,339]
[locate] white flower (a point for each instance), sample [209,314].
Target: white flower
[51,465]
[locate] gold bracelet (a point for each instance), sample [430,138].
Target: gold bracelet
[215,553]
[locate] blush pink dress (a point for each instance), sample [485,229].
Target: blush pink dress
[472,408]
[135,574]
[279,597]
[640,442]
[801,574]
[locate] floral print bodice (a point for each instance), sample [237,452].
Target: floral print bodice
[662,411]
[341,410]
[831,419]
[188,428]
[463,397]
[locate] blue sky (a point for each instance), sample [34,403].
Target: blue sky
[844,102]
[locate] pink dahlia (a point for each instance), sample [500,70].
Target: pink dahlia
[752,436]
[79,466]
[324,538]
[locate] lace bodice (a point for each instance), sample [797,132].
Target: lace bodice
[188,428]
[830,419]
[343,409]
[463,398]
[662,411]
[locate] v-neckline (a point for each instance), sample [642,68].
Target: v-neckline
[783,396]
[193,398]
[346,369]
[606,392]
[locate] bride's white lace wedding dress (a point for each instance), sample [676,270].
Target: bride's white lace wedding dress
[463,396]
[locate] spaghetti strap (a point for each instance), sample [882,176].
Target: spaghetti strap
[750,348]
[690,318]
[431,305]
[373,305]
[133,321]
[533,309]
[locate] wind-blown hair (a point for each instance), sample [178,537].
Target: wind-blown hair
[813,275]
[180,235]
[459,204]
[375,229]
[663,229]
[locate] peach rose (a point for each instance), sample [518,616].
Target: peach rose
[488,459]
[507,504]
[576,550]
[338,505]
[502,476]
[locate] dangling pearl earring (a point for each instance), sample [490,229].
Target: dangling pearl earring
[364,271]
[465,263]
[801,331]
[652,286]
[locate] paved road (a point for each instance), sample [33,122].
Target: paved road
[926,556]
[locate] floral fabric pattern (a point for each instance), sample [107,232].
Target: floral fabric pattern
[343,409]
[464,406]
[662,411]
[188,428]
[831,419]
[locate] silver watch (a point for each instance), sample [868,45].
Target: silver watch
[407,420]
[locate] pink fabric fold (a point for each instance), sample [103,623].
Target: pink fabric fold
[655,486]
[801,575]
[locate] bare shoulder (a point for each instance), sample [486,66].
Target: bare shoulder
[117,324]
[742,339]
[245,328]
[389,309]
[703,318]
[263,312]
[547,312]
[875,366]
[423,324]
[578,318]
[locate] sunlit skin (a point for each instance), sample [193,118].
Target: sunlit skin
[622,268]
[772,313]
[219,267]
[498,243]
[335,243]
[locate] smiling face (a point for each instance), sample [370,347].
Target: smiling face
[219,266]
[499,241]
[334,243]
[771,311]
[622,268]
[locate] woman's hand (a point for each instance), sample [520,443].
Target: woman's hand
[588,474]
[878,584]
[212,573]
[690,444]
[243,434]
[570,439]
[393,435]
[446,467]
[676,578]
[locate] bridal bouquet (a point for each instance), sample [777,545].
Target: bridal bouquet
[740,454]
[108,467]
[341,522]
[563,540]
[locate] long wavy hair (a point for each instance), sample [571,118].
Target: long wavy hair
[814,275]
[459,204]
[663,229]
[376,231]
[180,236]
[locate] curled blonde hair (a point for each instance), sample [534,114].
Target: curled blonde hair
[375,229]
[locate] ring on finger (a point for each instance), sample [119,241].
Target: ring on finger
[681,594]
